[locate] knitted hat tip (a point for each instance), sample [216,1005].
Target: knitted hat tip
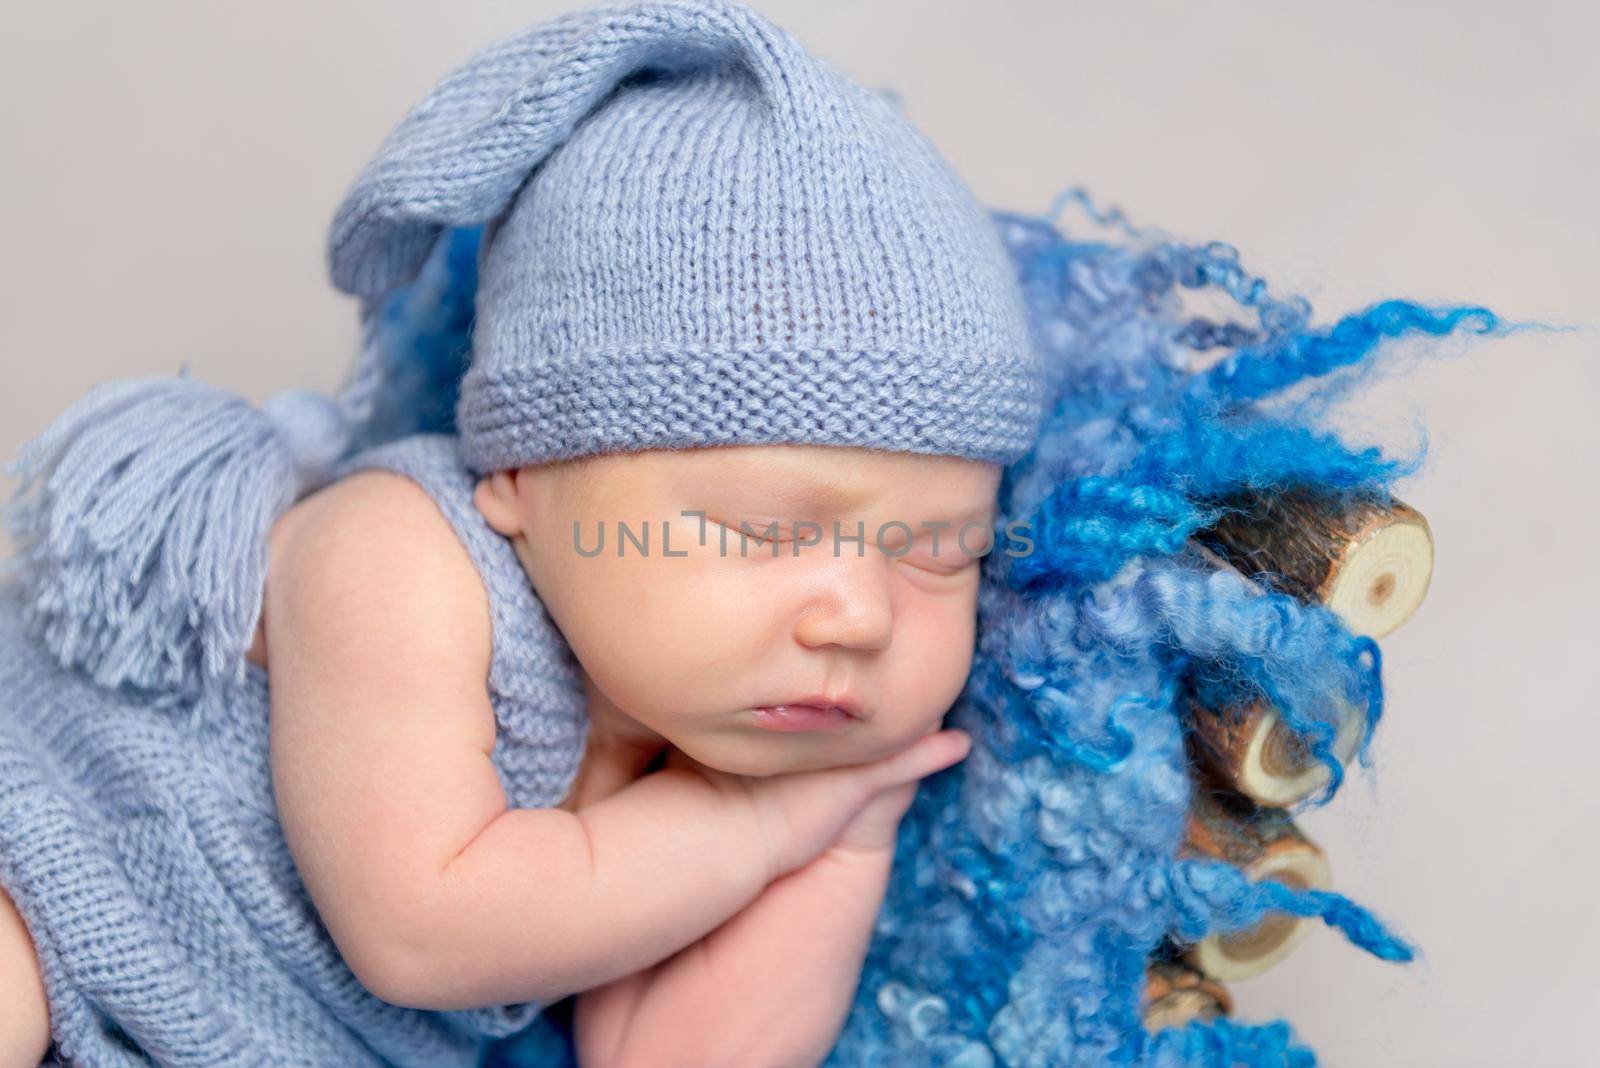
[699,234]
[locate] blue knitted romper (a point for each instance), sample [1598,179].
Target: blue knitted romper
[146,857]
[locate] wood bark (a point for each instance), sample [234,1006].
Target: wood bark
[1176,993]
[1369,561]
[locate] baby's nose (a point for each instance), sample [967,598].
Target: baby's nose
[852,606]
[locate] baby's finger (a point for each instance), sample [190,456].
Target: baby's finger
[922,758]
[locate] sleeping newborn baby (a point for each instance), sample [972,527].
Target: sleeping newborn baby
[795,689]
[367,747]
[794,686]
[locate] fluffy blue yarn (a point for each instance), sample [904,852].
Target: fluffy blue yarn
[1034,881]
[421,334]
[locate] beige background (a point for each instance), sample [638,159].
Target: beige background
[167,168]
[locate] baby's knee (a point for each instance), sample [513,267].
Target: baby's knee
[24,1015]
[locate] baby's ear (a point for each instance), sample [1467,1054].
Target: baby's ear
[497,499]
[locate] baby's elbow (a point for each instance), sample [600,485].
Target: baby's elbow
[401,964]
[422,940]
[417,982]
[387,940]
[394,970]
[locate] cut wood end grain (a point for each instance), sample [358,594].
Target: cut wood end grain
[1386,573]
[1251,750]
[1263,843]
[1370,563]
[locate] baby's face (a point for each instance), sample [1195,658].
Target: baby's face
[701,639]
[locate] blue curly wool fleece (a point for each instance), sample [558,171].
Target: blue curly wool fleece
[1033,881]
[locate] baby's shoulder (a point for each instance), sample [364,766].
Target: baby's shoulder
[378,504]
[373,553]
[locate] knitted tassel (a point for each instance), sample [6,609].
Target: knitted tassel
[141,523]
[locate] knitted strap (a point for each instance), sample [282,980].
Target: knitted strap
[540,708]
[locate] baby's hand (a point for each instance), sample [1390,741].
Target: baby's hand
[876,827]
[774,983]
[855,806]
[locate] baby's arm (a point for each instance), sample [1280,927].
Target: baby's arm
[773,985]
[436,893]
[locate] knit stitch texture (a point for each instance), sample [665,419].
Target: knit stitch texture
[146,856]
[701,235]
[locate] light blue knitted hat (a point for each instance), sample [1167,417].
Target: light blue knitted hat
[695,234]
[702,235]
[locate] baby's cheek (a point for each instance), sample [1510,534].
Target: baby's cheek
[933,642]
[675,628]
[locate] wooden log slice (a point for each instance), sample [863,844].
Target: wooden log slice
[1251,750]
[1176,993]
[1367,562]
[1264,843]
